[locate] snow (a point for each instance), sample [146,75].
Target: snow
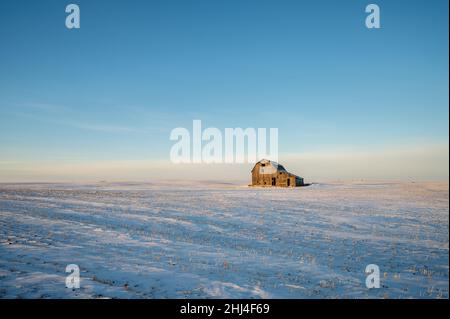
[224,240]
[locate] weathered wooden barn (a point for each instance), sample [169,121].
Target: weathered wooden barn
[270,173]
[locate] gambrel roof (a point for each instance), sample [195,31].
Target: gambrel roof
[270,166]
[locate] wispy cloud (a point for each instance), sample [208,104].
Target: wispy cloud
[101,127]
[47,107]
[88,126]
[144,119]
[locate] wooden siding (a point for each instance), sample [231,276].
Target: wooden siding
[278,178]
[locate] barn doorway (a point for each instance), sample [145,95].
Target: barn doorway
[288,182]
[274,181]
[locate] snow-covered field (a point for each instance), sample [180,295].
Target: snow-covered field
[200,240]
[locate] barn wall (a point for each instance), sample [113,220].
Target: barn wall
[281,178]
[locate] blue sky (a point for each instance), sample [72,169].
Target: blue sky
[114,89]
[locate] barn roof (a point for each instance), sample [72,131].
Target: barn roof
[274,165]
